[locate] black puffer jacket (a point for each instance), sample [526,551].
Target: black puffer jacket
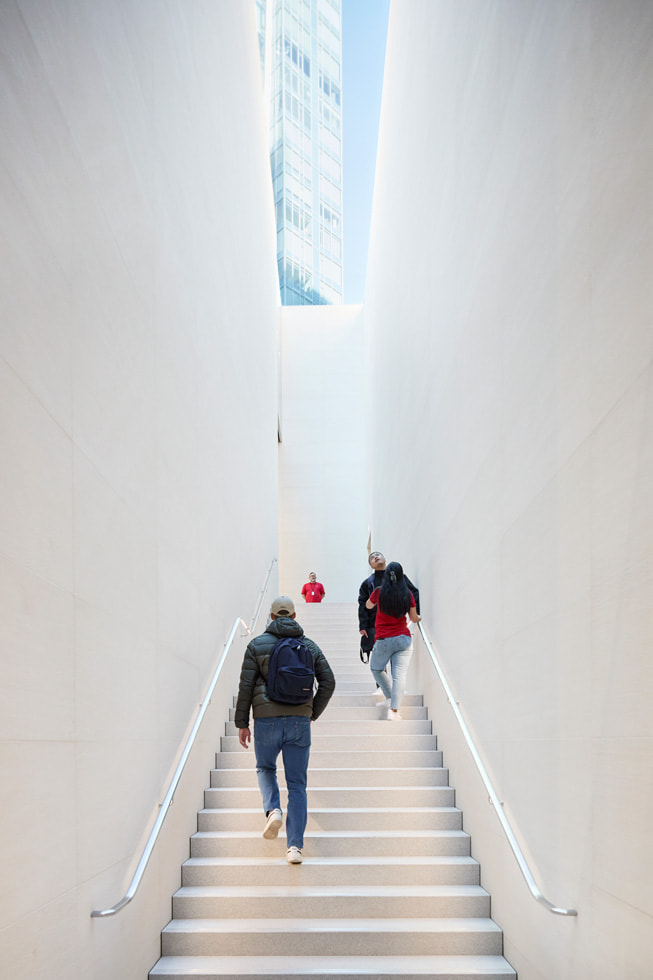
[252,692]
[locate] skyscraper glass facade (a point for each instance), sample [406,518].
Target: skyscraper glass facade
[301,55]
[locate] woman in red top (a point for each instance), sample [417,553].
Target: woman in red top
[394,644]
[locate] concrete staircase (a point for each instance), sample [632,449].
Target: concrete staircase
[387,888]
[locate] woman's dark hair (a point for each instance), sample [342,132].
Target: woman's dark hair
[394,597]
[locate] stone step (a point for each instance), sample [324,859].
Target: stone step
[329,902]
[326,797]
[332,871]
[336,843]
[315,613]
[321,758]
[343,654]
[371,712]
[346,657]
[347,625]
[344,644]
[408,819]
[367,699]
[320,937]
[311,614]
[342,700]
[325,725]
[429,776]
[363,680]
[327,623]
[346,630]
[361,687]
[367,743]
[325,628]
[328,967]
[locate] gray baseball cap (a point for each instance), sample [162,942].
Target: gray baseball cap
[282,606]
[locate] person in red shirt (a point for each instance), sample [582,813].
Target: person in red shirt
[313,591]
[393,642]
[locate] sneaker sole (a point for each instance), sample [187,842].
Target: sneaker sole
[271,831]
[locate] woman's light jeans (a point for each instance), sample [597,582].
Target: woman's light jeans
[397,651]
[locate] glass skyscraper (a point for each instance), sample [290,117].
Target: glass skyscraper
[301,55]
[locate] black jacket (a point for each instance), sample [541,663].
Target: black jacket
[367,617]
[252,691]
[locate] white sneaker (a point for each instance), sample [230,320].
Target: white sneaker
[273,825]
[393,715]
[294,855]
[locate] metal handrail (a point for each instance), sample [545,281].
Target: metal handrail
[167,802]
[494,799]
[261,596]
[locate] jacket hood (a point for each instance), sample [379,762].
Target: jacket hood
[284,626]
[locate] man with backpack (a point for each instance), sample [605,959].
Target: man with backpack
[277,682]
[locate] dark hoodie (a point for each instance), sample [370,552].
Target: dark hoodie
[252,690]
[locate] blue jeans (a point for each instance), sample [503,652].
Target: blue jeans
[397,651]
[290,735]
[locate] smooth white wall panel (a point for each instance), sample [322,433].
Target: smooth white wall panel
[508,311]
[323,451]
[138,391]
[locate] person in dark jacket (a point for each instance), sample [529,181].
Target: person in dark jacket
[278,727]
[367,617]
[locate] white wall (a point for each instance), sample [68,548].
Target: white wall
[509,306]
[138,439]
[322,454]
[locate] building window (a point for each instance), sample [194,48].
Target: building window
[294,54]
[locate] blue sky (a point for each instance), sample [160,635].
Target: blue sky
[364,30]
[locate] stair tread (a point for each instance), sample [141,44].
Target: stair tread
[324,742]
[312,769]
[343,966]
[299,890]
[460,924]
[374,862]
[346,809]
[316,769]
[339,789]
[311,835]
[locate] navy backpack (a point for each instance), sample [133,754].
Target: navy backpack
[291,673]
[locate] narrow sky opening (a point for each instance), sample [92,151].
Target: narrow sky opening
[364,33]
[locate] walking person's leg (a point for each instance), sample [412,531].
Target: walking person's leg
[296,749]
[399,668]
[381,653]
[268,738]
